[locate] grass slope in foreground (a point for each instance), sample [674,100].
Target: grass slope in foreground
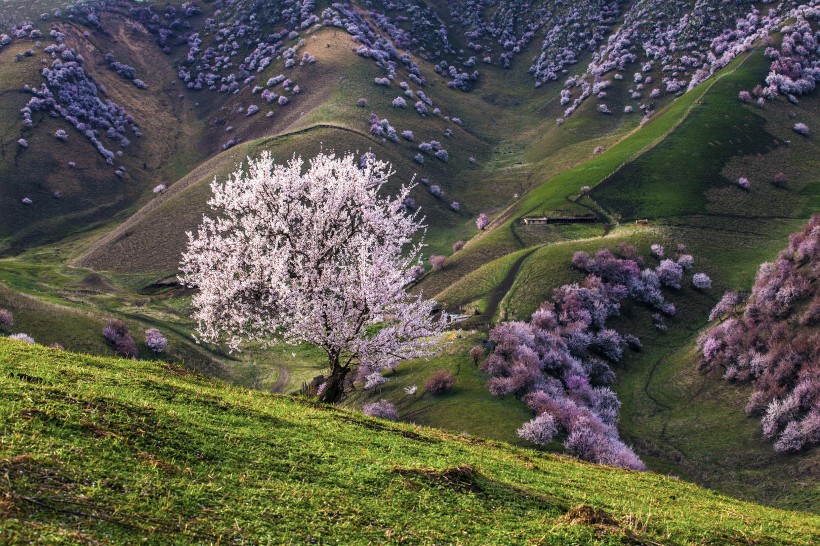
[101,449]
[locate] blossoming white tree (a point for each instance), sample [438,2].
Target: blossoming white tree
[317,257]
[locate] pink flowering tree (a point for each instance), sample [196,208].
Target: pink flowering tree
[701,281]
[155,341]
[312,255]
[381,409]
[6,318]
[799,128]
[437,261]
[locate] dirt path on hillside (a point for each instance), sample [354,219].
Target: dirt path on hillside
[282,380]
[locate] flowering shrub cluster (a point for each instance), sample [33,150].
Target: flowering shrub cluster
[22,336]
[559,362]
[680,42]
[124,70]
[684,43]
[764,344]
[70,93]
[795,67]
[382,128]
[578,27]
[381,42]
[242,29]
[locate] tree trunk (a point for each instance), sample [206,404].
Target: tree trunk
[334,386]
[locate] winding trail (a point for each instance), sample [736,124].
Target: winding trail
[282,380]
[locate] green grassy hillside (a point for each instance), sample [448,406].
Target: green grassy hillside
[100,450]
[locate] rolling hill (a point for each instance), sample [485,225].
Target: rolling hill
[633,112]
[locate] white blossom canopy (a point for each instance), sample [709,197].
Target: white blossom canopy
[315,256]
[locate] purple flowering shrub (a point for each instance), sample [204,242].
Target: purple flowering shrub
[556,363]
[441,382]
[6,318]
[540,430]
[661,36]
[795,68]
[381,409]
[235,43]
[155,341]
[437,261]
[116,332]
[22,336]
[701,281]
[125,71]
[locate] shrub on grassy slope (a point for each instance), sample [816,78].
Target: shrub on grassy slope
[155,341]
[381,409]
[116,332]
[22,336]
[763,343]
[70,93]
[437,261]
[441,382]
